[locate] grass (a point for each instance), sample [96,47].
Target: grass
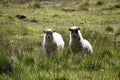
[98,21]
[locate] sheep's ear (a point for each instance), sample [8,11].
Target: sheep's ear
[44,31]
[69,29]
[54,30]
[78,29]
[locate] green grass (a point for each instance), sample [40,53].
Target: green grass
[99,22]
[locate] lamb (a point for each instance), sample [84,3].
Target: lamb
[77,43]
[52,41]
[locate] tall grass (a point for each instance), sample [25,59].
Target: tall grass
[23,39]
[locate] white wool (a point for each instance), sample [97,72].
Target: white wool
[80,44]
[87,48]
[58,40]
[57,43]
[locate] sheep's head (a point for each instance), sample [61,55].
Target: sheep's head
[49,34]
[74,32]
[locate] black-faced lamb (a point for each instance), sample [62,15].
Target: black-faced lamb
[52,41]
[77,43]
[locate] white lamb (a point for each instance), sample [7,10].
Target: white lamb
[77,43]
[52,41]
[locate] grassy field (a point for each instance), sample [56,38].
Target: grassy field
[99,22]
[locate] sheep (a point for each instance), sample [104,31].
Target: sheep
[77,43]
[52,41]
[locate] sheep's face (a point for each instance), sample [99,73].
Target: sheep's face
[49,35]
[74,32]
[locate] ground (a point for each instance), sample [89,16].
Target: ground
[99,22]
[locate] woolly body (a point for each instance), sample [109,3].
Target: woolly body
[53,44]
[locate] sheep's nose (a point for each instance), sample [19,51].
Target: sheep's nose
[48,37]
[74,36]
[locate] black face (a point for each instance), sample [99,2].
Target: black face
[49,35]
[74,33]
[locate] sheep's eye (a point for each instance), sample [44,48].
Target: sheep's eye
[49,33]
